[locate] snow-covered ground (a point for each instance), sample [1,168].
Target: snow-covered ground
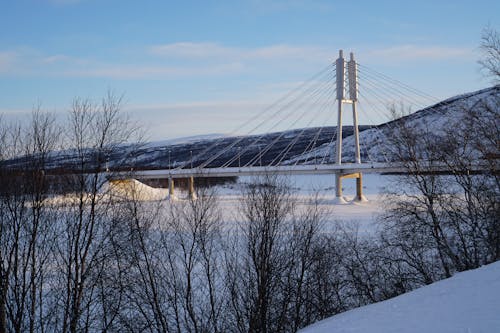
[468,302]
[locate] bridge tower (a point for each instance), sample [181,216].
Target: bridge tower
[347,95]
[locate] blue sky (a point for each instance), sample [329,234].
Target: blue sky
[197,67]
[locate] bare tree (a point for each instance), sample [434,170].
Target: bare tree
[25,228]
[175,277]
[266,209]
[490,47]
[420,192]
[95,131]
[471,153]
[304,246]
[146,303]
[450,218]
[4,230]
[270,265]
[194,229]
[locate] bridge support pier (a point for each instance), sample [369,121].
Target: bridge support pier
[359,186]
[192,193]
[338,188]
[170,188]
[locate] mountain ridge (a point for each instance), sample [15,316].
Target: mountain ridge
[313,145]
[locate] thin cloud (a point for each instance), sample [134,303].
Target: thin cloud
[26,62]
[7,60]
[216,104]
[57,58]
[266,6]
[284,51]
[216,51]
[193,50]
[171,120]
[190,59]
[417,53]
[148,72]
[184,59]
[64,2]
[14,112]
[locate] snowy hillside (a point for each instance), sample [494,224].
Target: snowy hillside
[302,146]
[436,118]
[468,302]
[372,138]
[184,140]
[175,153]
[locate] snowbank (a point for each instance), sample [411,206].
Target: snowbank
[469,302]
[133,189]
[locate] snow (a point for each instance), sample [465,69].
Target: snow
[468,302]
[184,140]
[133,189]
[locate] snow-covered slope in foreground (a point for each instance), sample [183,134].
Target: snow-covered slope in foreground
[468,302]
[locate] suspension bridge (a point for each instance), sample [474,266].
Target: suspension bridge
[341,88]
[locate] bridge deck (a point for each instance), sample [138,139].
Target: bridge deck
[262,170]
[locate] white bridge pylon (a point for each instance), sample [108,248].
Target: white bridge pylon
[350,98]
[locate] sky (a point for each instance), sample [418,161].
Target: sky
[198,67]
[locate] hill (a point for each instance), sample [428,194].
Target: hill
[310,145]
[466,302]
[435,119]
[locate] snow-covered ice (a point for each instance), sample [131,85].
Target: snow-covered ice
[363,214]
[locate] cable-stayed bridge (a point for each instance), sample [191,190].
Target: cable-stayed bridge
[345,92]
